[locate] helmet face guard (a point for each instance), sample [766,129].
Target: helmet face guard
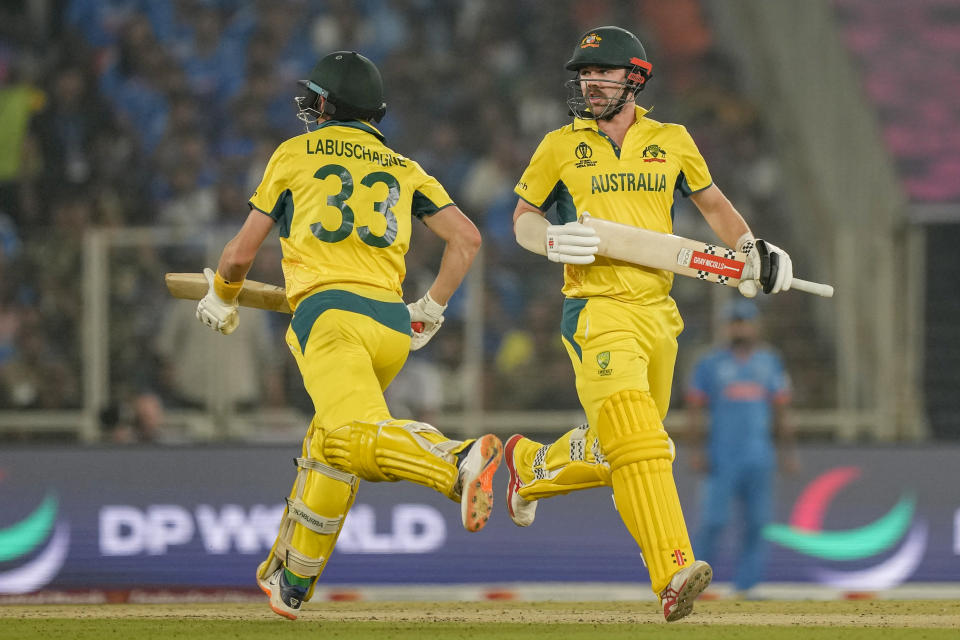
[310,106]
[636,77]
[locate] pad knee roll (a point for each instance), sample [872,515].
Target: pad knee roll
[629,428]
[395,450]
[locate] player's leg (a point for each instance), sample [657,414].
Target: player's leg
[756,491]
[316,508]
[338,373]
[605,359]
[572,462]
[630,395]
[323,492]
[640,455]
[350,359]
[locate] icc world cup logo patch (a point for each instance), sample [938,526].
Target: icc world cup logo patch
[584,152]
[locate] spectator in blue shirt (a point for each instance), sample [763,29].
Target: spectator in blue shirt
[740,392]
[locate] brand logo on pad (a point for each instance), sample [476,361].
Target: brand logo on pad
[679,557]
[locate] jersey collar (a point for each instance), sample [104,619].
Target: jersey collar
[362,125]
[586,123]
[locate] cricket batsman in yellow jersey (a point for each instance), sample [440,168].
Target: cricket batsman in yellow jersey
[344,204]
[619,324]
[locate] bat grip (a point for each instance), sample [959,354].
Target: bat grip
[815,288]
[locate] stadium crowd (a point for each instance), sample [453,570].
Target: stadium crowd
[132,113]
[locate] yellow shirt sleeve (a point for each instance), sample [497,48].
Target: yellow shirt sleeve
[270,194]
[694,174]
[429,196]
[540,178]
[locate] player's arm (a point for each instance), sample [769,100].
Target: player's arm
[721,215]
[462,239]
[240,251]
[768,266]
[570,243]
[218,309]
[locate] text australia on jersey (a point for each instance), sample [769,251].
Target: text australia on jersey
[604,182]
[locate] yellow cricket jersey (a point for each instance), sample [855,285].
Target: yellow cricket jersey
[344,202]
[581,170]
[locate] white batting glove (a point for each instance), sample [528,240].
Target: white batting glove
[572,243]
[768,267]
[216,313]
[429,313]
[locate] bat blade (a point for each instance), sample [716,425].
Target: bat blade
[258,295]
[683,256]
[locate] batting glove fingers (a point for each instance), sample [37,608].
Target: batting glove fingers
[572,243]
[768,267]
[776,267]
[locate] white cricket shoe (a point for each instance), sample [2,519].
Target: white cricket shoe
[285,598]
[476,481]
[684,587]
[522,512]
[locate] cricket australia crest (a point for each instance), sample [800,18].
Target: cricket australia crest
[654,153]
[603,360]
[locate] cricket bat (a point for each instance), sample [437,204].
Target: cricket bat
[683,256]
[258,295]
[680,255]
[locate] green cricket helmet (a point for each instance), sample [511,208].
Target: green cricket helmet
[613,48]
[345,86]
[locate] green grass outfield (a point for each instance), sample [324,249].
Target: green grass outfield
[716,620]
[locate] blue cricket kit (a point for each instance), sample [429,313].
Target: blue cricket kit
[739,394]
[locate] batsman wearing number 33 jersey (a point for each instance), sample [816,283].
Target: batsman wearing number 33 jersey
[619,324]
[343,204]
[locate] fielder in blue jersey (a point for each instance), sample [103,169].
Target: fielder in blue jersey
[743,391]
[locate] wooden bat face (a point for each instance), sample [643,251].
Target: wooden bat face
[683,256]
[258,295]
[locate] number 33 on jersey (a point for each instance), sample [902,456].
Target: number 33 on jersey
[344,203]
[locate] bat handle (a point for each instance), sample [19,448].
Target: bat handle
[815,288]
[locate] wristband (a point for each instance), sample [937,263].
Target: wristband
[226,291]
[432,307]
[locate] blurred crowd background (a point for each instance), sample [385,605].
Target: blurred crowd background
[123,115]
